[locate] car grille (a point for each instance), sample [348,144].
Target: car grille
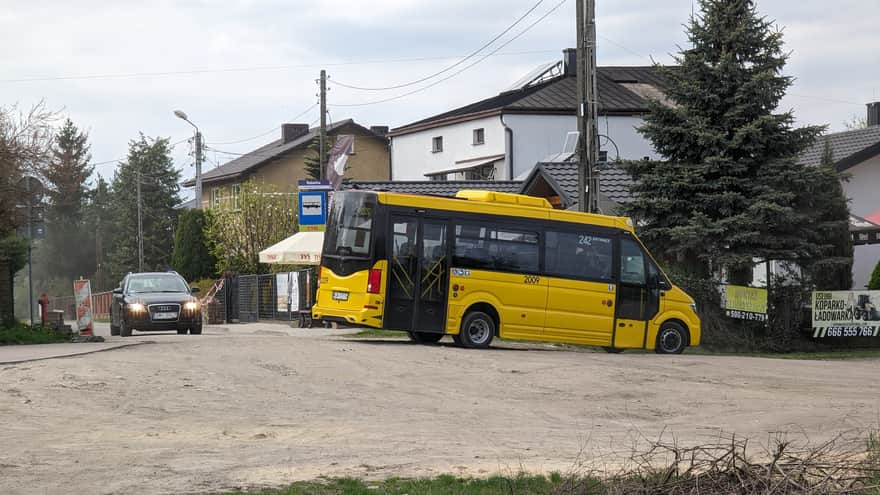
[164,308]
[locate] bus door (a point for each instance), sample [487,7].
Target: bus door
[638,295]
[418,274]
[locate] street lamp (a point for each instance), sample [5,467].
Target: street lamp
[180,114]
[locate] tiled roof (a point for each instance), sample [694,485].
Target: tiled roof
[614,182]
[437,188]
[848,147]
[265,153]
[620,89]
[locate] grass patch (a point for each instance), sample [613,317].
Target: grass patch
[20,333]
[374,333]
[441,485]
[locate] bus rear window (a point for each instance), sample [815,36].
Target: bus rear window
[350,226]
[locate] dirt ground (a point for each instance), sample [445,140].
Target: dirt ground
[269,405]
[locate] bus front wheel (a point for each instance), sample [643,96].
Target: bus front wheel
[477,330]
[671,339]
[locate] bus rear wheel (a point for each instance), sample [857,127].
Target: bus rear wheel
[425,337]
[477,330]
[671,339]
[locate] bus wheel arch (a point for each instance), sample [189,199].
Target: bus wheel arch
[479,326]
[673,337]
[489,310]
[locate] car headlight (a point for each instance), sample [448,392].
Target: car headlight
[694,307]
[136,307]
[191,306]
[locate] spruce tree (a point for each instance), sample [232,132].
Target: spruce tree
[68,248]
[149,161]
[830,219]
[727,189]
[312,163]
[192,257]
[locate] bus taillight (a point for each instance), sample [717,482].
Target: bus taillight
[374,281]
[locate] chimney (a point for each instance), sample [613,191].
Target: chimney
[874,113]
[381,130]
[569,62]
[289,132]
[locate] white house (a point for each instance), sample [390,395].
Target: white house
[856,153]
[504,136]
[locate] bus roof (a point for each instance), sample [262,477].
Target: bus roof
[507,204]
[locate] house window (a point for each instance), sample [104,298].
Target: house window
[479,136]
[215,197]
[437,144]
[486,172]
[437,177]
[236,190]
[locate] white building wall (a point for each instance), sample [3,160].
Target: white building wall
[412,158]
[537,136]
[862,190]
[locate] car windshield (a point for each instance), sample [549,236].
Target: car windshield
[156,283]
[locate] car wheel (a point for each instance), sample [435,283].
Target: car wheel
[124,330]
[114,330]
[196,331]
[671,339]
[477,330]
[425,337]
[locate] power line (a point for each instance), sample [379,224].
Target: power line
[822,98]
[248,69]
[450,67]
[484,57]
[120,160]
[274,129]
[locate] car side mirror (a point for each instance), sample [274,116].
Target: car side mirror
[117,291]
[195,290]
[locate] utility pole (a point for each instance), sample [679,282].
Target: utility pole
[322,133]
[588,175]
[198,168]
[30,231]
[140,208]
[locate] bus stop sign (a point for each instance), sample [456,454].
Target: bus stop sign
[312,209]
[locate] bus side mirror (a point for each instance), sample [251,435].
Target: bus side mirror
[662,284]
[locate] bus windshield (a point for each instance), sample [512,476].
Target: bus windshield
[350,226]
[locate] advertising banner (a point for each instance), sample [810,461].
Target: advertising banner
[282,290]
[82,290]
[744,303]
[846,313]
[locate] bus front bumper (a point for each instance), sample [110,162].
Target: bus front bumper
[364,318]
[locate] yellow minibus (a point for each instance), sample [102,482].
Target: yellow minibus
[487,264]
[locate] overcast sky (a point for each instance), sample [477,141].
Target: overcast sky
[259,59]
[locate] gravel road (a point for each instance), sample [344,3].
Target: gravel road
[258,405]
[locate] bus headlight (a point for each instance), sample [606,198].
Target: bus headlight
[136,307]
[191,306]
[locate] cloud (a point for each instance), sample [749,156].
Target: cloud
[833,58]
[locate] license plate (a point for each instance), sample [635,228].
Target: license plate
[340,296]
[164,316]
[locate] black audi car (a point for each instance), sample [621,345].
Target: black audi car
[155,302]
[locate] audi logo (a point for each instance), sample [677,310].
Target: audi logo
[165,308]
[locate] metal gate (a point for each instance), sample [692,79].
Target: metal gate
[267,299]
[248,298]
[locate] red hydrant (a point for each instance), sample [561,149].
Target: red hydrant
[44,309]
